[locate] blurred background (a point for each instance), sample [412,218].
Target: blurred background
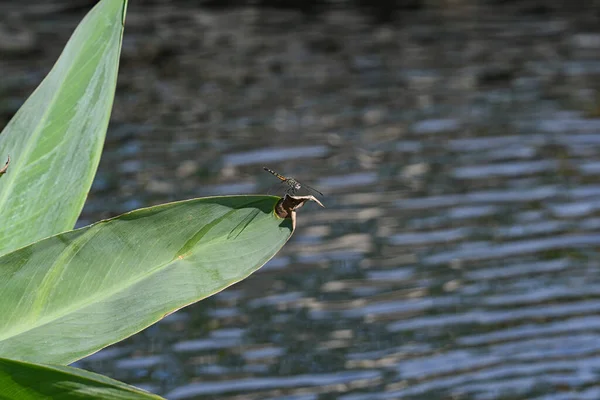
[458,146]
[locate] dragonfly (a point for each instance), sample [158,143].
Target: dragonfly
[293,186]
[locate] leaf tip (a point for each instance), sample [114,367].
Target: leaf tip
[286,207]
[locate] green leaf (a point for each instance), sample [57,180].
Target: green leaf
[55,139]
[24,381]
[72,294]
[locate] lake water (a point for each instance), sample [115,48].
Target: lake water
[459,153]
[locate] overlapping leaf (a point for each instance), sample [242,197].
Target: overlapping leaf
[25,381]
[55,139]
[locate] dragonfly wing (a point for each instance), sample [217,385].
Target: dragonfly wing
[277,188]
[313,190]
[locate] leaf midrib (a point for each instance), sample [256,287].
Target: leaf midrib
[110,292]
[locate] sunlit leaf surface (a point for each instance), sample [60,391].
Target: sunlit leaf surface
[72,294]
[55,139]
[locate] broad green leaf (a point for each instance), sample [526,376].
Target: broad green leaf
[72,294]
[55,139]
[25,381]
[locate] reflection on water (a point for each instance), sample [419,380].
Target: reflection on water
[458,253]
[271,155]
